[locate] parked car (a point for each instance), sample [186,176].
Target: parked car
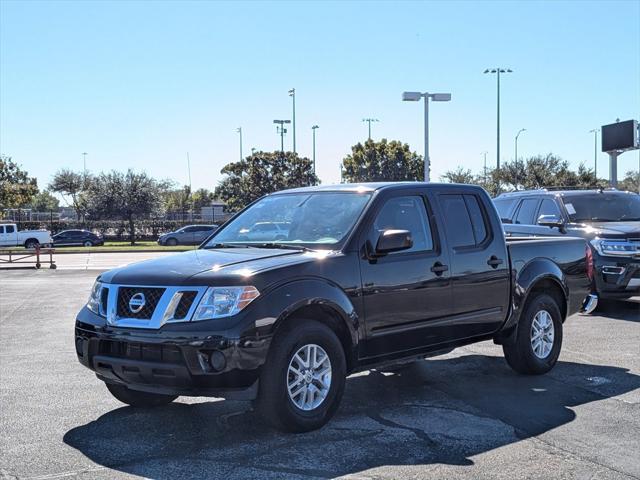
[397,272]
[189,235]
[608,219]
[85,238]
[11,237]
[265,231]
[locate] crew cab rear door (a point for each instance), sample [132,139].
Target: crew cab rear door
[405,293]
[479,264]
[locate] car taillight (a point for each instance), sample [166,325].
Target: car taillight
[589,259]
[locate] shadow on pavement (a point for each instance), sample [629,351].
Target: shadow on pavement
[438,411]
[619,309]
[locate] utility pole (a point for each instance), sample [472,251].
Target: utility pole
[190,199]
[595,151]
[281,131]
[485,166]
[369,120]
[314,128]
[239,130]
[516,165]
[292,94]
[84,164]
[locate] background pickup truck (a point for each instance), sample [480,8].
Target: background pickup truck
[367,275]
[11,237]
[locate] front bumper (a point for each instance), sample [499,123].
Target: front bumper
[173,363]
[617,277]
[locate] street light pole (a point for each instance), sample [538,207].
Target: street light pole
[239,130]
[369,120]
[516,157]
[498,71]
[190,196]
[281,130]
[292,94]
[314,128]
[595,151]
[485,166]
[84,164]
[436,97]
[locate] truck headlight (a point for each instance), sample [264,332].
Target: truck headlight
[614,248]
[95,297]
[219,302]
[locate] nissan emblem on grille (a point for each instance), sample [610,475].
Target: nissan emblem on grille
[137,302]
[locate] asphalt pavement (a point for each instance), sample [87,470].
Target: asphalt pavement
[463,415]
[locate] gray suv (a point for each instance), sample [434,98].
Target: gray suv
[189,235]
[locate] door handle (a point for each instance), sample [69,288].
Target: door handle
[438,268]
[494,261]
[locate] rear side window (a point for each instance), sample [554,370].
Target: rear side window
[10,228]
[503,205]
[465,221]
[526,211]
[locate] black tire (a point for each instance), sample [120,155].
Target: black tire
[519,353]
[31,243]
[87,243]
[171,242]
[274,402]
[139,399]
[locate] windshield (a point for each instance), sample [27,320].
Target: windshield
[305,219]
[603,207]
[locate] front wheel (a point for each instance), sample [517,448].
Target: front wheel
[302,383]
[171,242]
[536,348]
[139,399]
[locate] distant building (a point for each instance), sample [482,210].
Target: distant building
[213,213]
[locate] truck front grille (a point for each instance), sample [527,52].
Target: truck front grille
[151,296]
[185,304]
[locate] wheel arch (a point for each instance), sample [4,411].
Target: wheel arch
[31,239]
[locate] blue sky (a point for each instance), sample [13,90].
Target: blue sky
[138,84]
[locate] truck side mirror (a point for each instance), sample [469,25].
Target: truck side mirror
[393,241]
[551,221]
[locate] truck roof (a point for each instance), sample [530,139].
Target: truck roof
[564,192]
[371,187]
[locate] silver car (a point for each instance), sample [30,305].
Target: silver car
[189,235]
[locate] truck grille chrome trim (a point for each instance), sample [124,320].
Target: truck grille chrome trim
[162,304]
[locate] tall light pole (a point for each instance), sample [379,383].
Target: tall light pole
[369,120]
[314,128]
[292,94]
[516,157]
[595,151]
[190,196]
[436,97]
[498,71]
[485,166]
[239,130]
[281,131]
[84,163]
[253,151]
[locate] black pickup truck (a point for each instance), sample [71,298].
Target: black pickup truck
[366,276]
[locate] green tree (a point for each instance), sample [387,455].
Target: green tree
[382,161]
[17,188]
[460,175]
[73,185]
[263,173]
[202,198]
[44,202]
[177,199]
[126,196]
[631,181]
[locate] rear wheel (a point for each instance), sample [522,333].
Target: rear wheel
[536,348]
[301,384]
[139,399]
[31,243]
[88,243]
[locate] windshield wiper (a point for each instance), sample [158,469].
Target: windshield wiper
[283,246]
[225,245]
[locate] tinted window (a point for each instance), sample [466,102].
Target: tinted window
[457,222]
[477,218]
[548,207]
[603,207]
[10,228]
[405,213]
[527,211]
[503,205]
[1,229]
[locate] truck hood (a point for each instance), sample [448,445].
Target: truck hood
[182,268]
[618,230]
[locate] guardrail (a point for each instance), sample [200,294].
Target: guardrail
[36,256]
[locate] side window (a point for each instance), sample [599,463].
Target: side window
[457,221]
[10,228]
[405,213]
[549,207]
[527,211]
[503,205]
[478,221]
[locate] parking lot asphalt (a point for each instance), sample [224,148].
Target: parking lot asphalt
[463,415]
[90,260]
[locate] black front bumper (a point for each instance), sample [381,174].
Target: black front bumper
[617,277]
[172,363]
